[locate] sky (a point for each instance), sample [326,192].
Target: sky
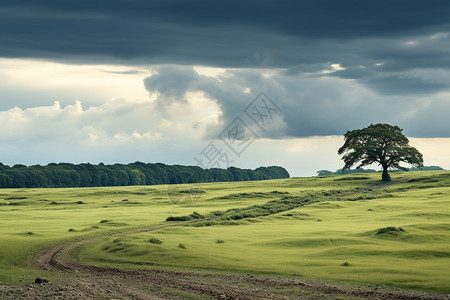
[219,83]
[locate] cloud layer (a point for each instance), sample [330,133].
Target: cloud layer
[155,79]
[390,47]
[311,106]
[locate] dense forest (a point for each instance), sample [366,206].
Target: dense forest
[138,173]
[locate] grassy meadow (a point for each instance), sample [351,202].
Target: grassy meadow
[349,228]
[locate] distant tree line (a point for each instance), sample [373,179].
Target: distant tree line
[56,175]
[349,171]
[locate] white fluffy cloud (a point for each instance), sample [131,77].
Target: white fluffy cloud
[114,122]
[42,123]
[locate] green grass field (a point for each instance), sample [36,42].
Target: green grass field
[354,228]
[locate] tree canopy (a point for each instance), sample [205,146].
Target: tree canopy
[383,144]
[138,173]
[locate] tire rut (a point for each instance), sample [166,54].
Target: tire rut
[101,282]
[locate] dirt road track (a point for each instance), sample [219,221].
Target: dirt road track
[78,281]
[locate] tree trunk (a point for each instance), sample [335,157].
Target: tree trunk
[385,176]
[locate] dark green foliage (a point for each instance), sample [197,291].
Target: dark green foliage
[138,173]
[346,264]
[344,171]
[196,215]
[235,216]
[155,241]
[245,195]
[217,222]
[324,173]
[16,198]
[278,192]
[424,180]
[361,170]
[104,221]
[269,208]
[220,241]
[351,171]
[427,168]
[182,218]
[383,144]
[352,178]
[390,230]
[71,230]
[193,191]
[193,216]
[5,180]
[254,211]
[181,246]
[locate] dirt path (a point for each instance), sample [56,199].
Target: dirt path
[78,281]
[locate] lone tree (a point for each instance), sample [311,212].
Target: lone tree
[380,143]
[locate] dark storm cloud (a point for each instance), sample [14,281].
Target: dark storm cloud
[226,33]
[397,83]
[302,36]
